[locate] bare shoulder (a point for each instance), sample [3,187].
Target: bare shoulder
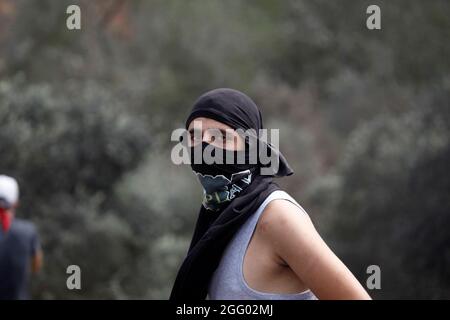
[281,215]
[288,230]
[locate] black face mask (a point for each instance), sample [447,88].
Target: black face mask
[221,181]
[239,160]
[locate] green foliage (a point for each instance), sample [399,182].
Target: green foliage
[392,202]
[68,153]
[363,116]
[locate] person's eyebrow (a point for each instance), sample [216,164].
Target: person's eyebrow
[225,131]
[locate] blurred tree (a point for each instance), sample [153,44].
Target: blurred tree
[68,152]
[79,109]
[391,203]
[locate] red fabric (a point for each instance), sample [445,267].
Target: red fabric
[5,219]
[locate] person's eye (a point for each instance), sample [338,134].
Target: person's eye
[194,136]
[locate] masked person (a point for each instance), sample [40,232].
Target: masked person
[252,240]
[20,252]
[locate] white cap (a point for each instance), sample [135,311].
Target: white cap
[9,190]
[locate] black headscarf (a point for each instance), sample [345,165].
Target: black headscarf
[214,230]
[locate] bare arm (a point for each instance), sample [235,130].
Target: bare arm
[297,242]
[36,262]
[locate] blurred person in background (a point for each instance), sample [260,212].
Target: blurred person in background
[20,251]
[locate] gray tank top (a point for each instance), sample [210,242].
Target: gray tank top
[228,283]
